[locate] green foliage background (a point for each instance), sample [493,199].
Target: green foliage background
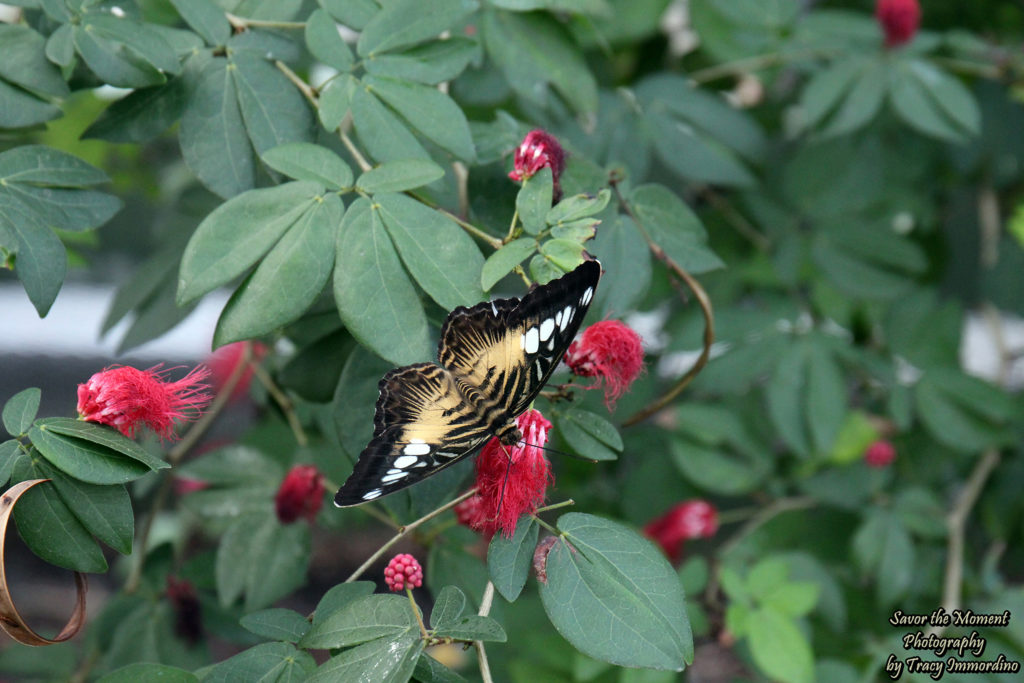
[847,208]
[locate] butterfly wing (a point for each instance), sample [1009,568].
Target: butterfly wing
[421,425]
[509,348]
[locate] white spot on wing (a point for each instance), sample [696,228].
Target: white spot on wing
[546,328]
[495,309]
[551,344]
[587,296]
[403,461]
[392,477]
[558,319]
[531,341]
[370,495]
[566,318]
[414,448]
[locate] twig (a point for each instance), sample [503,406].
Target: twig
[492,241]
[242,23]
[282,400]
[737,220]
[764,516]
[749,64]
[555,506]
[485,609]
[303,87]
[402,531]
[364,165]
[956,524]
[702,300]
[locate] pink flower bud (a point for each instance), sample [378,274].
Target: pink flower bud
[687,520]
[301,494]
[538,149]
[879,454]
[403,571]
[899,20]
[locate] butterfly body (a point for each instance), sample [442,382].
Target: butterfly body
[493,360]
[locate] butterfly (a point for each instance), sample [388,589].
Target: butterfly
[493,360]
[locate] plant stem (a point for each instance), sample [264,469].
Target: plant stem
[512,226]
[303,87]
[702,300]
[402,531]
[242,23]
[764,516]
[416,611]
[485,609]
[547,526]
[364,165]
[555,506]
[283,401]
[749,64]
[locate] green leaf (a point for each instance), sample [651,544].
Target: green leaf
[601,572]
[778,647]
[233,466]
[533,50]
[213,136]
[361,620]
[534,200]
[589,434]
[149,671]
[266,662]
[41,261]
[102,436]
[954,99]
[289,278]
[83,460]
[500,263]
[9,451]
[717,452]
[509,559]
[380,131]
[273,109]
[693,155]
[883,547]
[374,296]
[576,207]
[674,227]
[50,529]
[826,397]
[948,404]
[20,411]
[25,63]
[18,109]
[448,607]
[262,558]
[786,399]
[60,46]
[238,233]
[432,63]
[442,258]
[855,434]
[335,101]
[626,260]
[306,161]
[473,627]
[398,176]
[339,596]
[919,111]
[385,659]
[124,52]
[921,511]
[206,19]
[402,23]
[429,670]
[141,115]
[353,13]
[428,110]
[276,623]
[862,102]
[325,43]
[105,511]
[544,270]
[566,254]
[826,89]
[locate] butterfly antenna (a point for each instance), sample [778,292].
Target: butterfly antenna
[549,449]
[508,469]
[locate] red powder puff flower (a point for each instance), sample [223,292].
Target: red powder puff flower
[126,399]
[188,621]
[538,149]
[689,519]
[899,20]
[611,351]
[226,359]
[468,512]
[301,494]
[879,454]
[403,571]
[511,480]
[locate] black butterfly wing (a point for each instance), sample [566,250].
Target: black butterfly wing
[421,425]
[508,348]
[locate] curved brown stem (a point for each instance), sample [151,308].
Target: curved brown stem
[702,300]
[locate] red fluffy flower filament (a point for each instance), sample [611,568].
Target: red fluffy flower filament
[300,496]
[899,20]
[127,399]
[511,481]
[687,520]
[610,351]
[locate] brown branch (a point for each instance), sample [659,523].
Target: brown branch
[702,300]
